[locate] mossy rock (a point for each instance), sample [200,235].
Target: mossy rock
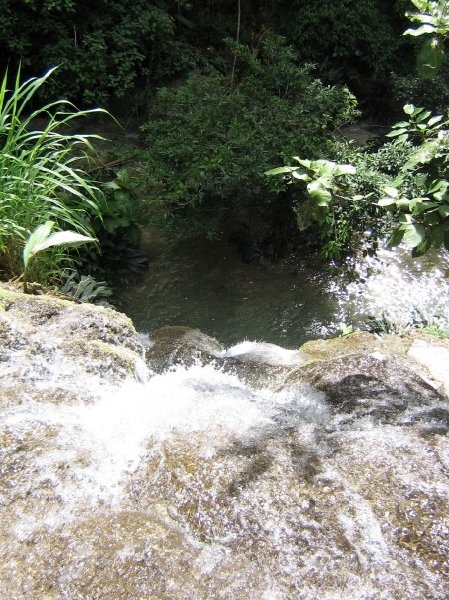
[359,342]
[363,384]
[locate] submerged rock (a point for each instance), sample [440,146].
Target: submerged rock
[173,345]
[194,483]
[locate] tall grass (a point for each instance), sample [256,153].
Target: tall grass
[42,171]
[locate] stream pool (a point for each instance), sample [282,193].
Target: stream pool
[204,284]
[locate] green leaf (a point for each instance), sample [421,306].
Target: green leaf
[430,58]
[419,205]
[307,164]
[421,248]
[300,176]
[434,120]
[426,28]
[414,234]
[409,109]
[63,238]
[280,170]
[319,192]
[396,238]
[386,202]
[344,170]
[391,191]
[397,132]
[41,239]
[39,235]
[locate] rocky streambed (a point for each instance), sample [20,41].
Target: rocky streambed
[170,467]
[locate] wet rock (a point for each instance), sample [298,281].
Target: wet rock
[364,385]
[180,345]
[257,364]
[43,335]
[202,482]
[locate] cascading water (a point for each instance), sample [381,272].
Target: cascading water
[192,484]
[397,291]
[246,473]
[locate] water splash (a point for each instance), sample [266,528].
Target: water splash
[395,289]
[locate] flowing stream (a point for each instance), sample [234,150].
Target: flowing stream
[195,485]
[198,482]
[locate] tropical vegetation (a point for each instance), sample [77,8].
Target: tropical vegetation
[223,92]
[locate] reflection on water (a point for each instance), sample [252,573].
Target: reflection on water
[204,284]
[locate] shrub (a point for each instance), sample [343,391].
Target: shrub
[103,47]
[210,140]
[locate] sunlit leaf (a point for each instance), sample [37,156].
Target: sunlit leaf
[414,234]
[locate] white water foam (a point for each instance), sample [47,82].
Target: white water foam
[103,442]
[397,289]
[263,353]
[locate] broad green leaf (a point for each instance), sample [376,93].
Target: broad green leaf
[397,132]
[422,116]
[39,235]
[419,205]
[434,120]
[63,238]
[430,58]
[444,210]
[414,234]
[300,176]
[280,170]
[391,191]
[319,192]
[438,185]
[386,202]
[426,28]
[307,164]
[409,109]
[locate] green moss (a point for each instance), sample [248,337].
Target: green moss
[359,342]
[6,296]
[435,331]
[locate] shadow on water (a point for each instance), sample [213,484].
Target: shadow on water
[204,284]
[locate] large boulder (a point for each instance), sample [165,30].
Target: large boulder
[47,342]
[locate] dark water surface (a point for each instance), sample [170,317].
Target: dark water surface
[205,284]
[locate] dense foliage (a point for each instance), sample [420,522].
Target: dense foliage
[105,48]
[42,172]
[48,199]
[212,138]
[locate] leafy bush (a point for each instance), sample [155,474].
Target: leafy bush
[412,89]
[210,140]
[103,47]
[409,176]
[355,42]
[87,289]
[42,172]
[341,198]
[118,230]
